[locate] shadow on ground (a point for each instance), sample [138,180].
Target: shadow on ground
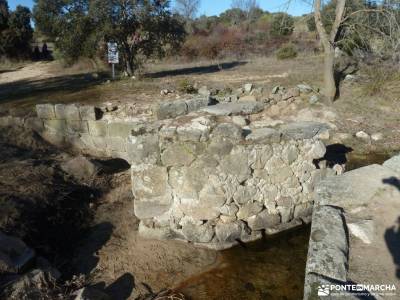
[392,234]
[197,70]
[68,83]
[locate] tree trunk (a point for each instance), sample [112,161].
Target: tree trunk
[328,41]
[329,74]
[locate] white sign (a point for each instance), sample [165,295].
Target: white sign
[113,55]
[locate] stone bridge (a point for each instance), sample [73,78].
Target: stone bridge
[200,171]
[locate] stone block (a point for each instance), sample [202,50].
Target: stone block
[150,182]
[121,129]
[54,138]
[169,110]
[178,154]
[34,123]
[99,142]
[67,112]
[55,125]
[45,111]
[263,220]
[143,149]
[98,128]
[87,113]
[197,233]
[230,109]
[197,103]
[264,135]
[77,126]
[116,144]
[228,130]
[236,165]
[145,209]
[328,248]
[303,130]
[228,232]
[249,209]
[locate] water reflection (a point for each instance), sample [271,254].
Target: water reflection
[268,269]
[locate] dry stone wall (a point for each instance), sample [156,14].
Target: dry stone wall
[200,172]
[204,179]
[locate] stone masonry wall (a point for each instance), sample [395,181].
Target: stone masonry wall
[206,180]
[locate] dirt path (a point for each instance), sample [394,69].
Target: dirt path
[32,71]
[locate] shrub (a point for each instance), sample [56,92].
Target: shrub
[282,24]
[186,86]
[287,51]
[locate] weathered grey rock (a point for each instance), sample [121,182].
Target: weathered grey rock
[197,103]
[90,293]
[14,254]
[229,209]
[249,209]
[228,130]
[263,220]
[122,129]
[362,229]
[204,91]
[359,185]
[67,112]
[197,130]
[239,120]
[168,110]
[328,248]
[87,113]
[117,144]
[77,126]
[363,135]
[55,125]
[313,99]
[244,194]
[197,233]
[240,108]
[178,154]
[264,135]
[98,128]
[303,130]
[81,168]
[393,163]
[318,150]
[143,149]
[45,111]
[248,87]
[236,165]
[305,88]
[291,93]
[377,136]
[228,232]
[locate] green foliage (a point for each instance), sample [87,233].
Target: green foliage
[311,23]
[287,51]
[15,31]
[142,29]
[186,86]
[282,25]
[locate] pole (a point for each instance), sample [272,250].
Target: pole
[113,71]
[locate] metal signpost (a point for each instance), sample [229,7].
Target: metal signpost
[113,56]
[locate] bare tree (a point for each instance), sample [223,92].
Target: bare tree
[187,8]
[328,43]
[245,5]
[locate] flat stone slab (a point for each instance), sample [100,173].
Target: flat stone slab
[228,109]
[303,130]
[393,163]
[355,188]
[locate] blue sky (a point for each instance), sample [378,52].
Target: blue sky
[215,7]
